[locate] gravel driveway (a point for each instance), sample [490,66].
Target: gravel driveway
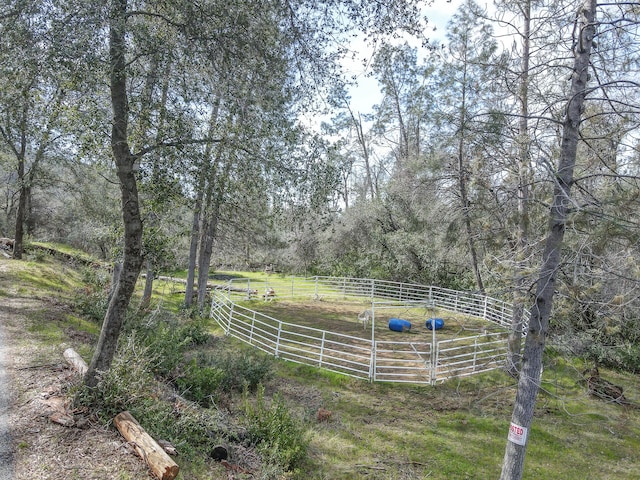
[6,451]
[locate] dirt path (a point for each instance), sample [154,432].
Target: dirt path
[6,445]
[32,446]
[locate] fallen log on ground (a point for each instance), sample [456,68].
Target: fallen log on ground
[75,360]
[162,465]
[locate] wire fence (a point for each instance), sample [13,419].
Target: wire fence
[425,360]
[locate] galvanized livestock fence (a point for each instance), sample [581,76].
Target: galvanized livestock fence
[421,360]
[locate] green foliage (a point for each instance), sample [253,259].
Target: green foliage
[200,384]
[167,340]
[189,429]
[623,356]
[222,371]
[128,381]
[91,303]
[277,434]
[92,300]
[241,369]
[36,255]
[591,323]
[130,385]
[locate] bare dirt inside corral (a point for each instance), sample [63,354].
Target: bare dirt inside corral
[342,317]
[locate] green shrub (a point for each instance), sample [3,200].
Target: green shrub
[92,305]
[92,300]
[241,369]
[280,438]
[127,382]
[168,340]
[187,428]
[130,385]
[619,357]
[200,384]
[196,331]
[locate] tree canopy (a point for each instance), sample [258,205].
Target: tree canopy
[191,135]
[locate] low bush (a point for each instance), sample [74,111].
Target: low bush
[153,355]
[212,373]
[93,299]
[247,369]
[280,438]
[624,356]
[127,382]
[167,340]
[200,384]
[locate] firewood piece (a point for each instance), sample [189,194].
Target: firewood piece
[162,465]
[76,361]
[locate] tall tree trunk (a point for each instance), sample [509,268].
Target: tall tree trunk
[18,244]
[362,140]
[148,285]
[193,246]
[206,249]
[529,380]
[462,184]
[217,188]
[520,278]
[26,176]
[198,206]
[124,160]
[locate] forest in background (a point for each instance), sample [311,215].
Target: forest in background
[178,135]
[447,181]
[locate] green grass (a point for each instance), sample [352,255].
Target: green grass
[454,430]
[458,430]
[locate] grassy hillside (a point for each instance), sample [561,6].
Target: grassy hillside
[359,430]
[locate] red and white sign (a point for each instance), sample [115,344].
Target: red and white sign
[518,434]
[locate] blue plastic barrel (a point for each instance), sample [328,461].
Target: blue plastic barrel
[438,322]
[399,325]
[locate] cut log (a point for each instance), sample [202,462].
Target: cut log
[76,361]
[162,465]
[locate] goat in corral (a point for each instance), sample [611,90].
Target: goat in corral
[365,318]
